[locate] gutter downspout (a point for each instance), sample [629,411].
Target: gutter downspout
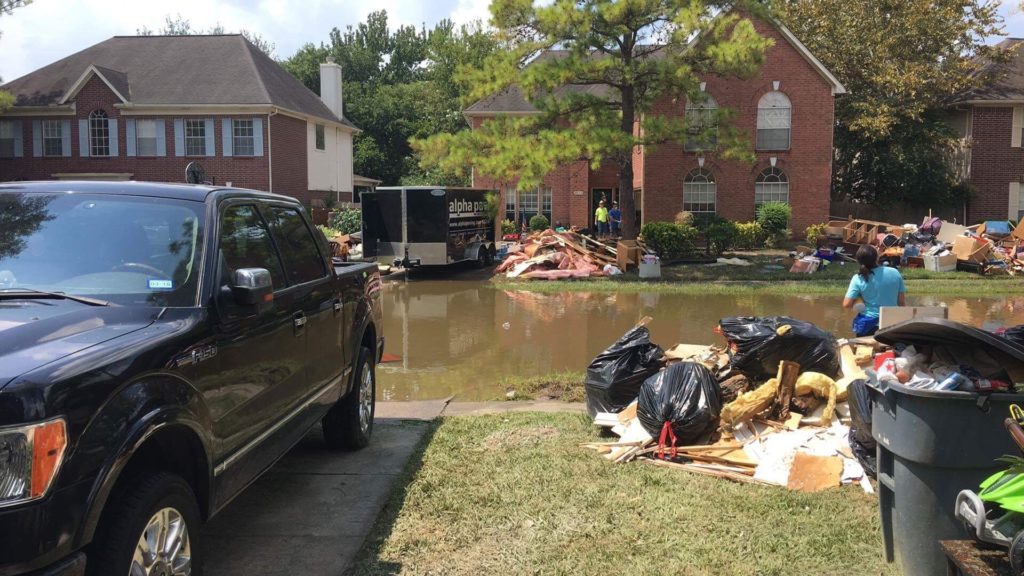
[270,151]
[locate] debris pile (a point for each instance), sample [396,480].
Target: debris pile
[551,255]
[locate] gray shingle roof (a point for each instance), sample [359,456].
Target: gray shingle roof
[187,70]
[1008,88]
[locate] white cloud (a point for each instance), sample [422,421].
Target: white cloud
[48,30]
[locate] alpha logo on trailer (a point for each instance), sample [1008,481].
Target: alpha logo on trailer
[459,208]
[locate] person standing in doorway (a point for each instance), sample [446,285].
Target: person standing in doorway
[876,286]
[615,219]
[601,220]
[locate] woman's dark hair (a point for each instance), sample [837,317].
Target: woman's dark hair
[868,258]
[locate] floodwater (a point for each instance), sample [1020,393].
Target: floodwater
[461,336]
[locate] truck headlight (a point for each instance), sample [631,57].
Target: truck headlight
[29,459]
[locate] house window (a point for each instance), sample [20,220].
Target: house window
[701,124]
[53,138]
[99,133]
[195,137]
[7,137]
[1020,204]
[528,206]
[774,122]
[699,192]
[145,137]
[242,140]
[545,204]
[510,205]
[321,139]
[522,205]
[772,186]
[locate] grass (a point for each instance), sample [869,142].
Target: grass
[566,386]
[696,279]
[514,494]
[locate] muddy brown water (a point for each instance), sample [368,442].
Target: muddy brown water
[461,336]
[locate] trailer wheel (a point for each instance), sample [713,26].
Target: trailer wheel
[483,257]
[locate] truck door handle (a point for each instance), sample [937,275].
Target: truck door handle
[337,305]
[299,320]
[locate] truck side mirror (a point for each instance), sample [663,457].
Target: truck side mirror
[252,287]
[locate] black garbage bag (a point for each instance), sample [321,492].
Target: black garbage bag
[615,375]
[686,396]
[861,441]
[757,347]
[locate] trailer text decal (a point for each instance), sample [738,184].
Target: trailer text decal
[459,208]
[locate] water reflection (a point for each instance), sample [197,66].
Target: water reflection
[462,337]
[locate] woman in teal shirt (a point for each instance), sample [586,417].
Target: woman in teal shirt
[877,286]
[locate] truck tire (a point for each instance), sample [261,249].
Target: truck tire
[349,423]
[139,519]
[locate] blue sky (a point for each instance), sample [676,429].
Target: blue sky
[48,30]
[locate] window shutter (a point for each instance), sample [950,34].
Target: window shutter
[227,142]
[129,137]
[112,129]
[179,137]
[257,136]
[37,138]
[1014,200]
[65,132]
[19,144]
[211,150]
[1018,123]
[83,138]
[161,137]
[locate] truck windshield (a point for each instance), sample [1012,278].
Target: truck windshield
[126,250]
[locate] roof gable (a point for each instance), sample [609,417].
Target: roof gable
[116,81]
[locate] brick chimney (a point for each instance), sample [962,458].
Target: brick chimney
[330,86]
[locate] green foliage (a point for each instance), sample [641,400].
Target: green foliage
[900,63]
[670,241]
[329,233]
[750,235]
[814,231]
[539,223]
[508,227]
[684,218]
[721,235]
[493,200]
[774,217]
[639,50]
[347,221]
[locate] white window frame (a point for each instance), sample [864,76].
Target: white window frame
[99,133]
[195,135]
[53,131]
[320,137]
[700,192]
[146,137]
[699,117]
[772,186]
[8,137]
[243,137]
[774,115]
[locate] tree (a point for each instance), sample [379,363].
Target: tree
[180,26]
[634,53]
[6,7]
[901,62]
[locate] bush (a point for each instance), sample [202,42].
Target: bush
[750,235]
[721,235]
[670,241]
[774,217]
[347,221]
[329,233]
[815,231]
[539,223]
[508,227]
[684,219]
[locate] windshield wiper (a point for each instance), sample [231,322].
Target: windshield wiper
[30,293]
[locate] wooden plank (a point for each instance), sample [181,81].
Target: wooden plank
[743,478]
[787,375]
[814,473]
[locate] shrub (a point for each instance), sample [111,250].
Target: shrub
[774,217]
[815,231]
[330,233]
[539,223]
[684,219]
[750,235]
[508,227]
[721,235]
[670,241]
[347,221]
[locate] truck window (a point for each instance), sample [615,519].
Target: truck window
[245,243]
[303,262]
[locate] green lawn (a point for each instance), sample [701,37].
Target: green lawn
[699,278]
[566,386]
[514,494]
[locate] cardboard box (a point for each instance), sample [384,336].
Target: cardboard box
[945,263]
[627,254]
[971,249]
[890,315]
[949,232]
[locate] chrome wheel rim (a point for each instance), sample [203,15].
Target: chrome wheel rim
[164,548]
[366,399]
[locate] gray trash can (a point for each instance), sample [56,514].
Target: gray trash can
[933,444]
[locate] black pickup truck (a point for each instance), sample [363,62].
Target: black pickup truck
[160,347]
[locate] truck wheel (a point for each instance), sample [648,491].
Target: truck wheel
[349,423]
[482,257]
[151,527]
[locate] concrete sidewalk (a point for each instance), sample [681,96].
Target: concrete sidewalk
[311,512]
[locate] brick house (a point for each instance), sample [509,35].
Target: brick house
[144,107]
[786,109]
[989,120]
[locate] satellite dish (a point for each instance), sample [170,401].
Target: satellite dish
[194,173]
